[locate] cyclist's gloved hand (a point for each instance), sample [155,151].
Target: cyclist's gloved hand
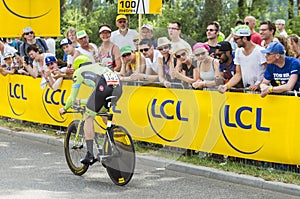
[62,111]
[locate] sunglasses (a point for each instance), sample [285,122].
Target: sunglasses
[210,30]
[198,54]
[122,21]
[235,39]
[135,40]
[145,50]
[163,47]
[27,33]
[247,23]
[181,55]
[268,54]
[126,54]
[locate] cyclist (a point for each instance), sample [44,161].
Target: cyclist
[104,83]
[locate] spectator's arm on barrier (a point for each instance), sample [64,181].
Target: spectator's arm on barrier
[161,76]
[233,81]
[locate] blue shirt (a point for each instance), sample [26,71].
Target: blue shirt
[282,75]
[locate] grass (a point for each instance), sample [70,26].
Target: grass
[229,164]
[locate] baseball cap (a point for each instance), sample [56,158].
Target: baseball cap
[274,47]
[148,26]
[121,17]
[27,29]
[81,34]
[125,49]
[104,27]
[242,30]
[65,41]
[225,46]
[280,21]
[50,59]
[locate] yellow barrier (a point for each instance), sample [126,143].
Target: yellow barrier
[236,124]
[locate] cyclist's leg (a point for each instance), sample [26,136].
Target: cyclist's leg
[94,104]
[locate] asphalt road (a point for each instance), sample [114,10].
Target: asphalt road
[32,169]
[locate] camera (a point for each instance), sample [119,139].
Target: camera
[26,59]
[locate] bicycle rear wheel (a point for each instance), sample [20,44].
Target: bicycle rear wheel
[75,149]
[120,166]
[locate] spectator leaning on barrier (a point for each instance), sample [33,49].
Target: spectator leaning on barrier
[184,70]
[123,36]
[250,62]
[86,48]
[151,57]
[129,63]
[68,48]
[38,64]
[30,39]
[207,67]
[53,75]
[227,66]
[166,63]
[282,71]
[9,66]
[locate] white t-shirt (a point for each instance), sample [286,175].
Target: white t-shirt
[90,54]
[51,45]
[120,40]
[252,67]
[153,65]
[43,67]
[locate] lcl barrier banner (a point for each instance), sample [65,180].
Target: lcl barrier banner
[235,124]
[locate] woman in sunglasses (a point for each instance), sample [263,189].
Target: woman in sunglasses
[166,63]
[184,70]
[208,67]
[108,50]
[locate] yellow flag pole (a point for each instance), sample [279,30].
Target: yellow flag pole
[138,61]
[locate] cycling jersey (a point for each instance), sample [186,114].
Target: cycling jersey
[91,75]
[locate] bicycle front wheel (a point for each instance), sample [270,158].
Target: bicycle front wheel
[120,167]
[75,149]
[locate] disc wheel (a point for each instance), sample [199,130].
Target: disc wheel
[120,166]
[75,150]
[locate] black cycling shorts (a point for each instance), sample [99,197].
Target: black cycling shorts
[100,93]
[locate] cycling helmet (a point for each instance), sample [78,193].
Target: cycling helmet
[80,60]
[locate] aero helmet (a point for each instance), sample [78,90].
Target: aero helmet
[80,60]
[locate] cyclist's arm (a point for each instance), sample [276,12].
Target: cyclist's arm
[78,79]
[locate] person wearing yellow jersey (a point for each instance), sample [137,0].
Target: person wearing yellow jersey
[129,60]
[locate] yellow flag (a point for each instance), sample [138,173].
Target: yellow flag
[42,15]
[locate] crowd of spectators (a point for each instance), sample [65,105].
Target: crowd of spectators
[245,59]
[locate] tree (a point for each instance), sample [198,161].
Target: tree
[86,6]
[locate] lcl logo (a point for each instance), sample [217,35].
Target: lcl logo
[162,114]
[52,101]
[236,123]
[16,94]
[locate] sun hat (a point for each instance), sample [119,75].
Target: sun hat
[242,30]
[121,17]
[50,59]
[179,46]
[81,34]
[125,49]
[225,46]
[274,47]
[27,29]
[103,28]
[162,41]
[201,45]
[65,41]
